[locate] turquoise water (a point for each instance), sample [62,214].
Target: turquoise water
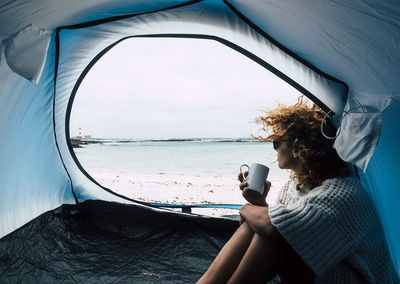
[188,158]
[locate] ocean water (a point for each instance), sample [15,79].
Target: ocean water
[185,171]
[199,157]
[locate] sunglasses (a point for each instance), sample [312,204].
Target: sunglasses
[276,144]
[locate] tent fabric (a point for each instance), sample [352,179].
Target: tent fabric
[381,178]
[340,53]
[49,15]
[28,45]
[33,179]
[361,35]
[99,241]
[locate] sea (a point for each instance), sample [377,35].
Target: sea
[178,171]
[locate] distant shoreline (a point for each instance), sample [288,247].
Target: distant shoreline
[79,142]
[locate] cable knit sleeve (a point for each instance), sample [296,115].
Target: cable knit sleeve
[311,234]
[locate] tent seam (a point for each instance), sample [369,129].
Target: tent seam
[120,17]
[284,48]
[57,55]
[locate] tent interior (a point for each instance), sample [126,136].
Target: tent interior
[58,224]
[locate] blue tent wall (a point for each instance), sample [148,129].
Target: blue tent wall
[382,178]
[32,178]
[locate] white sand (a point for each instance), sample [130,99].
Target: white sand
[181,189]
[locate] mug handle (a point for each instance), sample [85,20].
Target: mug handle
[244,165]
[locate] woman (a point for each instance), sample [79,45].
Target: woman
[323,229]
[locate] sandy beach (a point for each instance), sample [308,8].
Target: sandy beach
[181,189]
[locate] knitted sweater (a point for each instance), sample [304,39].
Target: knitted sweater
[336,230]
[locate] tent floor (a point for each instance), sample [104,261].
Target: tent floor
[106,242]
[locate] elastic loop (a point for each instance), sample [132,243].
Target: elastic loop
[322,127]
[340,123]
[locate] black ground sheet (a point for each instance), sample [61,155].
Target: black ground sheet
[106,242]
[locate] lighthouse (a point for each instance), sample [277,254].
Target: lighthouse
[79,133]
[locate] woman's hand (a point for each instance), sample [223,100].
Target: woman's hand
[250,195]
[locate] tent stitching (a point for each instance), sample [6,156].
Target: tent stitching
[57,57]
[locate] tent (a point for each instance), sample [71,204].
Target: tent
[344,55]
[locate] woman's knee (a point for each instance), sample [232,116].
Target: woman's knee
[262,261]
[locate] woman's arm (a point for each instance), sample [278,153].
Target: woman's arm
[257,218]
[256,214]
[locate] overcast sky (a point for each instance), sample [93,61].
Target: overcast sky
[175,88]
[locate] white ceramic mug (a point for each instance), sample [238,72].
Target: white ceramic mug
[256,178]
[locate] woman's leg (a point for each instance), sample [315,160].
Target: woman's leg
[263,260]
[249,258]
[228,259]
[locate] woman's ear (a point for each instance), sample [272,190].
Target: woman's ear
[295,148]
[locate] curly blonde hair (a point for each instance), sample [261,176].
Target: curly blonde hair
[300,125]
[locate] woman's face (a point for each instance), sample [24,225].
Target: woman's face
[285,155]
